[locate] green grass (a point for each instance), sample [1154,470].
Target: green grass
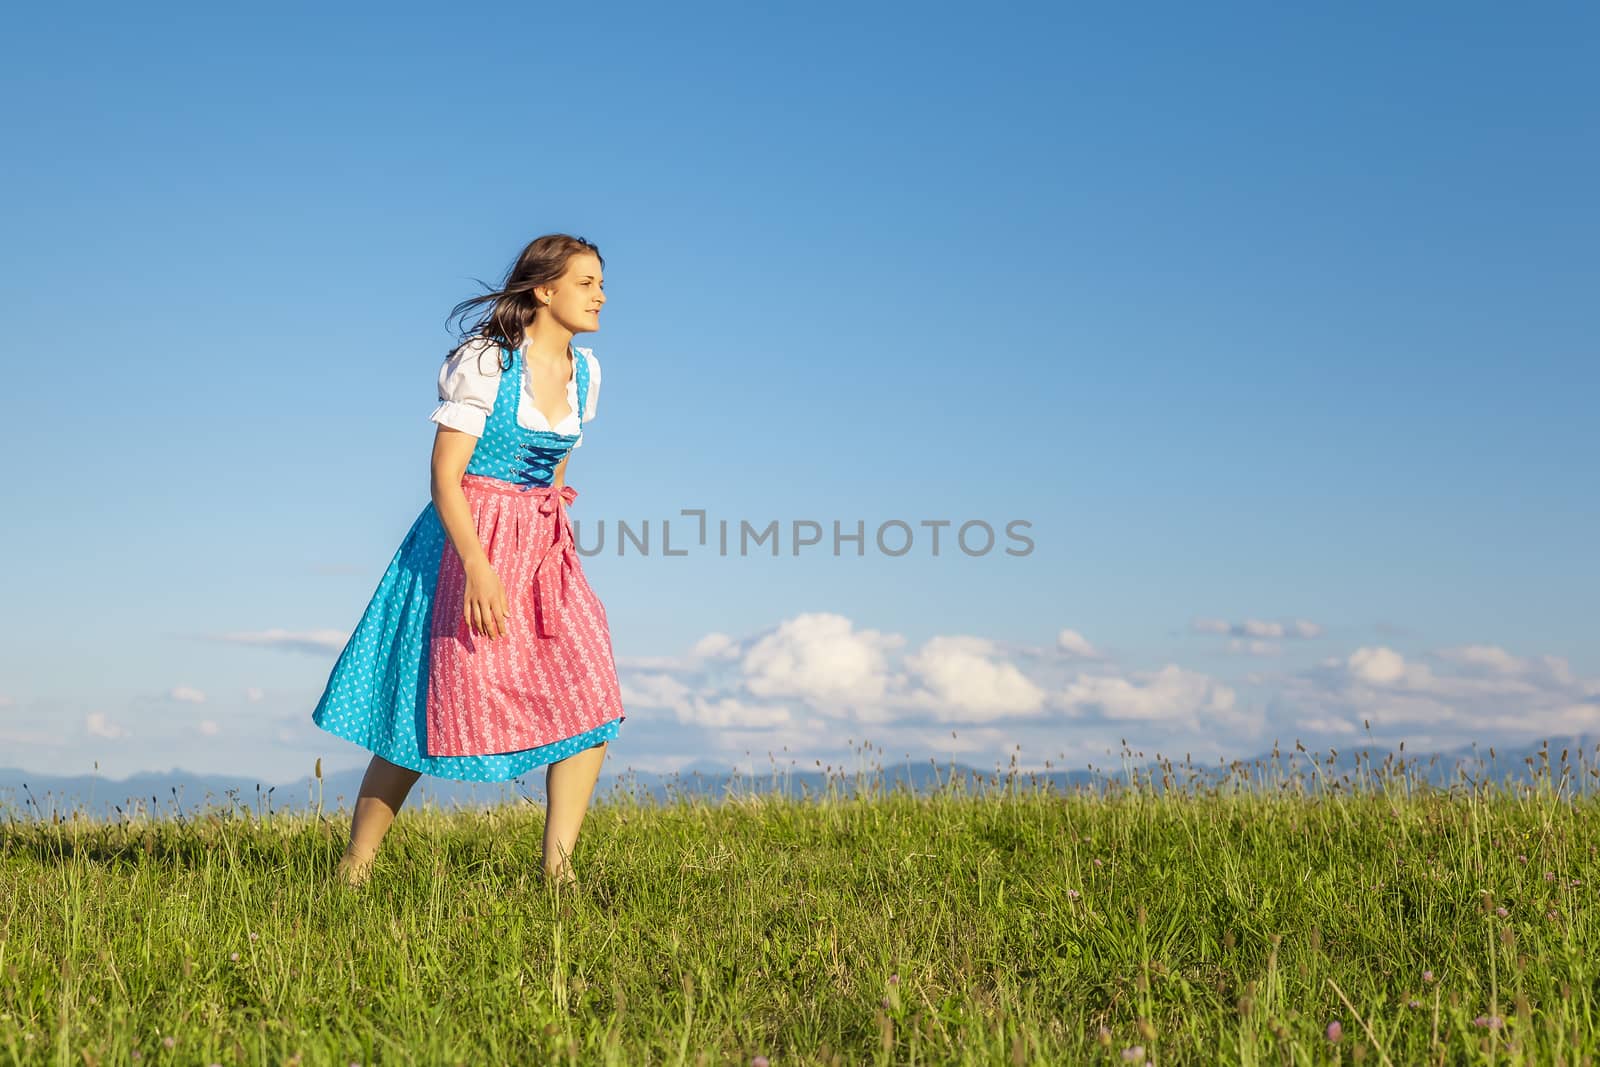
[1013,926]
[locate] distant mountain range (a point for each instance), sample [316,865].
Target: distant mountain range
[176,793]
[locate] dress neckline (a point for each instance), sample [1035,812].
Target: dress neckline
[571,384]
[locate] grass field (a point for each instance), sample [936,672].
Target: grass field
[1285,923]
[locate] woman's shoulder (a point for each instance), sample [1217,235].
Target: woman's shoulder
[476,353]
[469,381]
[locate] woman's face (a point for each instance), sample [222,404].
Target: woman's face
[577,296]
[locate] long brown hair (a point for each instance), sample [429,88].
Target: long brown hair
[513,305]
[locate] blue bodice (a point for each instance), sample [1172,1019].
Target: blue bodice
[510,451]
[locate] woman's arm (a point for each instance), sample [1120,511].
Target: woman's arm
[452,451]
[484,606]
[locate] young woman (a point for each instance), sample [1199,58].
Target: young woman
[484,652]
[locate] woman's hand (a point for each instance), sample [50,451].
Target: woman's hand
[485,606]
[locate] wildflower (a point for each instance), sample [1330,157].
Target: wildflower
[1073,894]
[1549,876]
[1104,1037]
[1335,1031]
[1501,911]
[1413,1003]
[758,1061]
[169,1041]
[234,956]
[1098,862]
[1521,858]
[1489,1022]
[1133,1054]
[254,936]
[1427,976]
[894,979]
[884,1001]
[1552,915]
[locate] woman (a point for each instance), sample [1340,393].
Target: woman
[484,653]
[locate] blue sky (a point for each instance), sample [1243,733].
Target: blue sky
[1276,326]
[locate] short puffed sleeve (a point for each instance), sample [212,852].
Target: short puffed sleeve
[594,384]
[468,382]
[594,392]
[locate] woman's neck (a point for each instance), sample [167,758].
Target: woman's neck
[546,342]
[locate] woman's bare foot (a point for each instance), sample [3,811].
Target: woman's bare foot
[564,878]
[354,871]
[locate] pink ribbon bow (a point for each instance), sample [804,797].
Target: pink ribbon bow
[549,586]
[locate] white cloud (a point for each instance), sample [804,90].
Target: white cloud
[1487,657]
[961,742]
[1254,648]
[1328,726]
[1477,692]
[965,679]
[653,663]
[823,661]
[702,708]
[1377,666]
[1386,667]
[732,713]
[209,728]
[1075,644]
[98,724]
[317,642]
[1171,695]
[655,690]
[254,695]
[715,646]
[1258,629]
[5,701]
[709,650]
[1494,660]
[187,694]
[820,658]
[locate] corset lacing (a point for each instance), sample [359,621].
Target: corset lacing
[536,465]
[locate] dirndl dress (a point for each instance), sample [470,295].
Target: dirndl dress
[414,685]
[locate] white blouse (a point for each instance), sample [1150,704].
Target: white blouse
[470,380]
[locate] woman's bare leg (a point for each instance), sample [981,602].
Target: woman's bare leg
[383,789]
[570,784]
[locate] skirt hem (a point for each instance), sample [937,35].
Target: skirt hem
[493,767]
